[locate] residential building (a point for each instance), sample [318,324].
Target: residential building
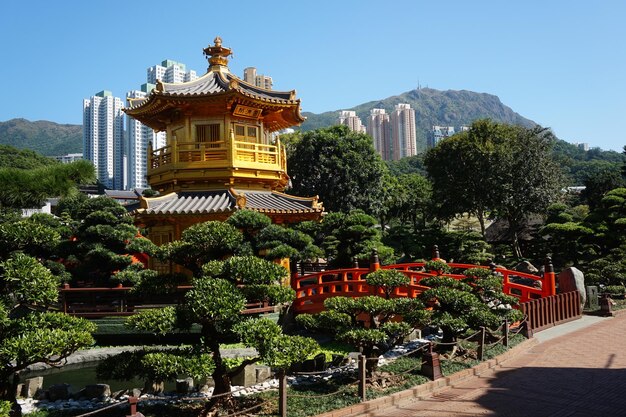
[251,77]
[439,133]
[170,72]
[139,136]
[379,128]
[103,135]
[350,119]
[70,157]
[582,145]
[403,132]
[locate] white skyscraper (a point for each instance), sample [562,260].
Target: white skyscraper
[170,72]
[379,128]
[103,137]
[137,138]
[139,135]
[350,119]
[404,135]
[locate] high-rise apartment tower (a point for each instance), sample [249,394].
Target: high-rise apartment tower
[251,77]
[350,119]
[379,128]
[103,134]
[403,131]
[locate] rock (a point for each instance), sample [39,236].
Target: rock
[205,389]
[119,394]
[308,366]
[263,373]
[59,392]
[246,377]
[320,362]
[98,391]
[32,386]
[526,267]
[184,386]
[572,279]
[135,392]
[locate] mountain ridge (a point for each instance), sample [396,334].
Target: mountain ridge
[432,107]
[46,137]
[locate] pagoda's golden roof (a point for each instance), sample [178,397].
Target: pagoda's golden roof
[282,107]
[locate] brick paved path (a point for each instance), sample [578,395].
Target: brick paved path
[581,374]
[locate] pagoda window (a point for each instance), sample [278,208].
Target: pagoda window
[246,133]
[209,134]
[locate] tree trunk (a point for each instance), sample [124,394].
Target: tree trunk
[221,380]
[8,389]
[517,250]
[481,219]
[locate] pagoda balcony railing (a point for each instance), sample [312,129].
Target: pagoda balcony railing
[219,154]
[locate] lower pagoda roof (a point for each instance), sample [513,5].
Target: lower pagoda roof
[228,201]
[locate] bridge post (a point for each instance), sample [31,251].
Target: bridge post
[436,253]
[374,261]
[355,262]
[549,278]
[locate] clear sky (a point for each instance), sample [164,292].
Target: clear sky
[561,63]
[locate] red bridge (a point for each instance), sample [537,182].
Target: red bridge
[312,289]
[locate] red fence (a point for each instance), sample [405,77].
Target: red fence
[121,301]
[551,311]
[313,289]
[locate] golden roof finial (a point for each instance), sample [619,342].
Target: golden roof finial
[216,54]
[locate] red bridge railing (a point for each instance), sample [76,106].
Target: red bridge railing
[312,289]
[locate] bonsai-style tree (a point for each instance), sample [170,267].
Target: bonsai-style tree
[272,241]
[468,304]
[222,285]
[345,237]
[103,240]
[374,323]
[29,332]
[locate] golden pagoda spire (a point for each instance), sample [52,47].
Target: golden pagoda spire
[216,54]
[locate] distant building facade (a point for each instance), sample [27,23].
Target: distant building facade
[403,131]
[379,128]
[170,72]
[582,145]
[138,135]
[439,133]
[68,158]
[103,137]
[350,119]
[251,77]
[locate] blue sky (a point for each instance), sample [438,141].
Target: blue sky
[560,63]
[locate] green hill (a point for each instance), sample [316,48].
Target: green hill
[432,107]
[47,138]
[11,157]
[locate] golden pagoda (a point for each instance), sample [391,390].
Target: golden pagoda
[222,152]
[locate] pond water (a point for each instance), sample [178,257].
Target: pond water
[80,375]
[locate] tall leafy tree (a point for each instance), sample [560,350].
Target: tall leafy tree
[30,188]
[338,165]
[503,169]
[528,179]
[599,183]
[462,167]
